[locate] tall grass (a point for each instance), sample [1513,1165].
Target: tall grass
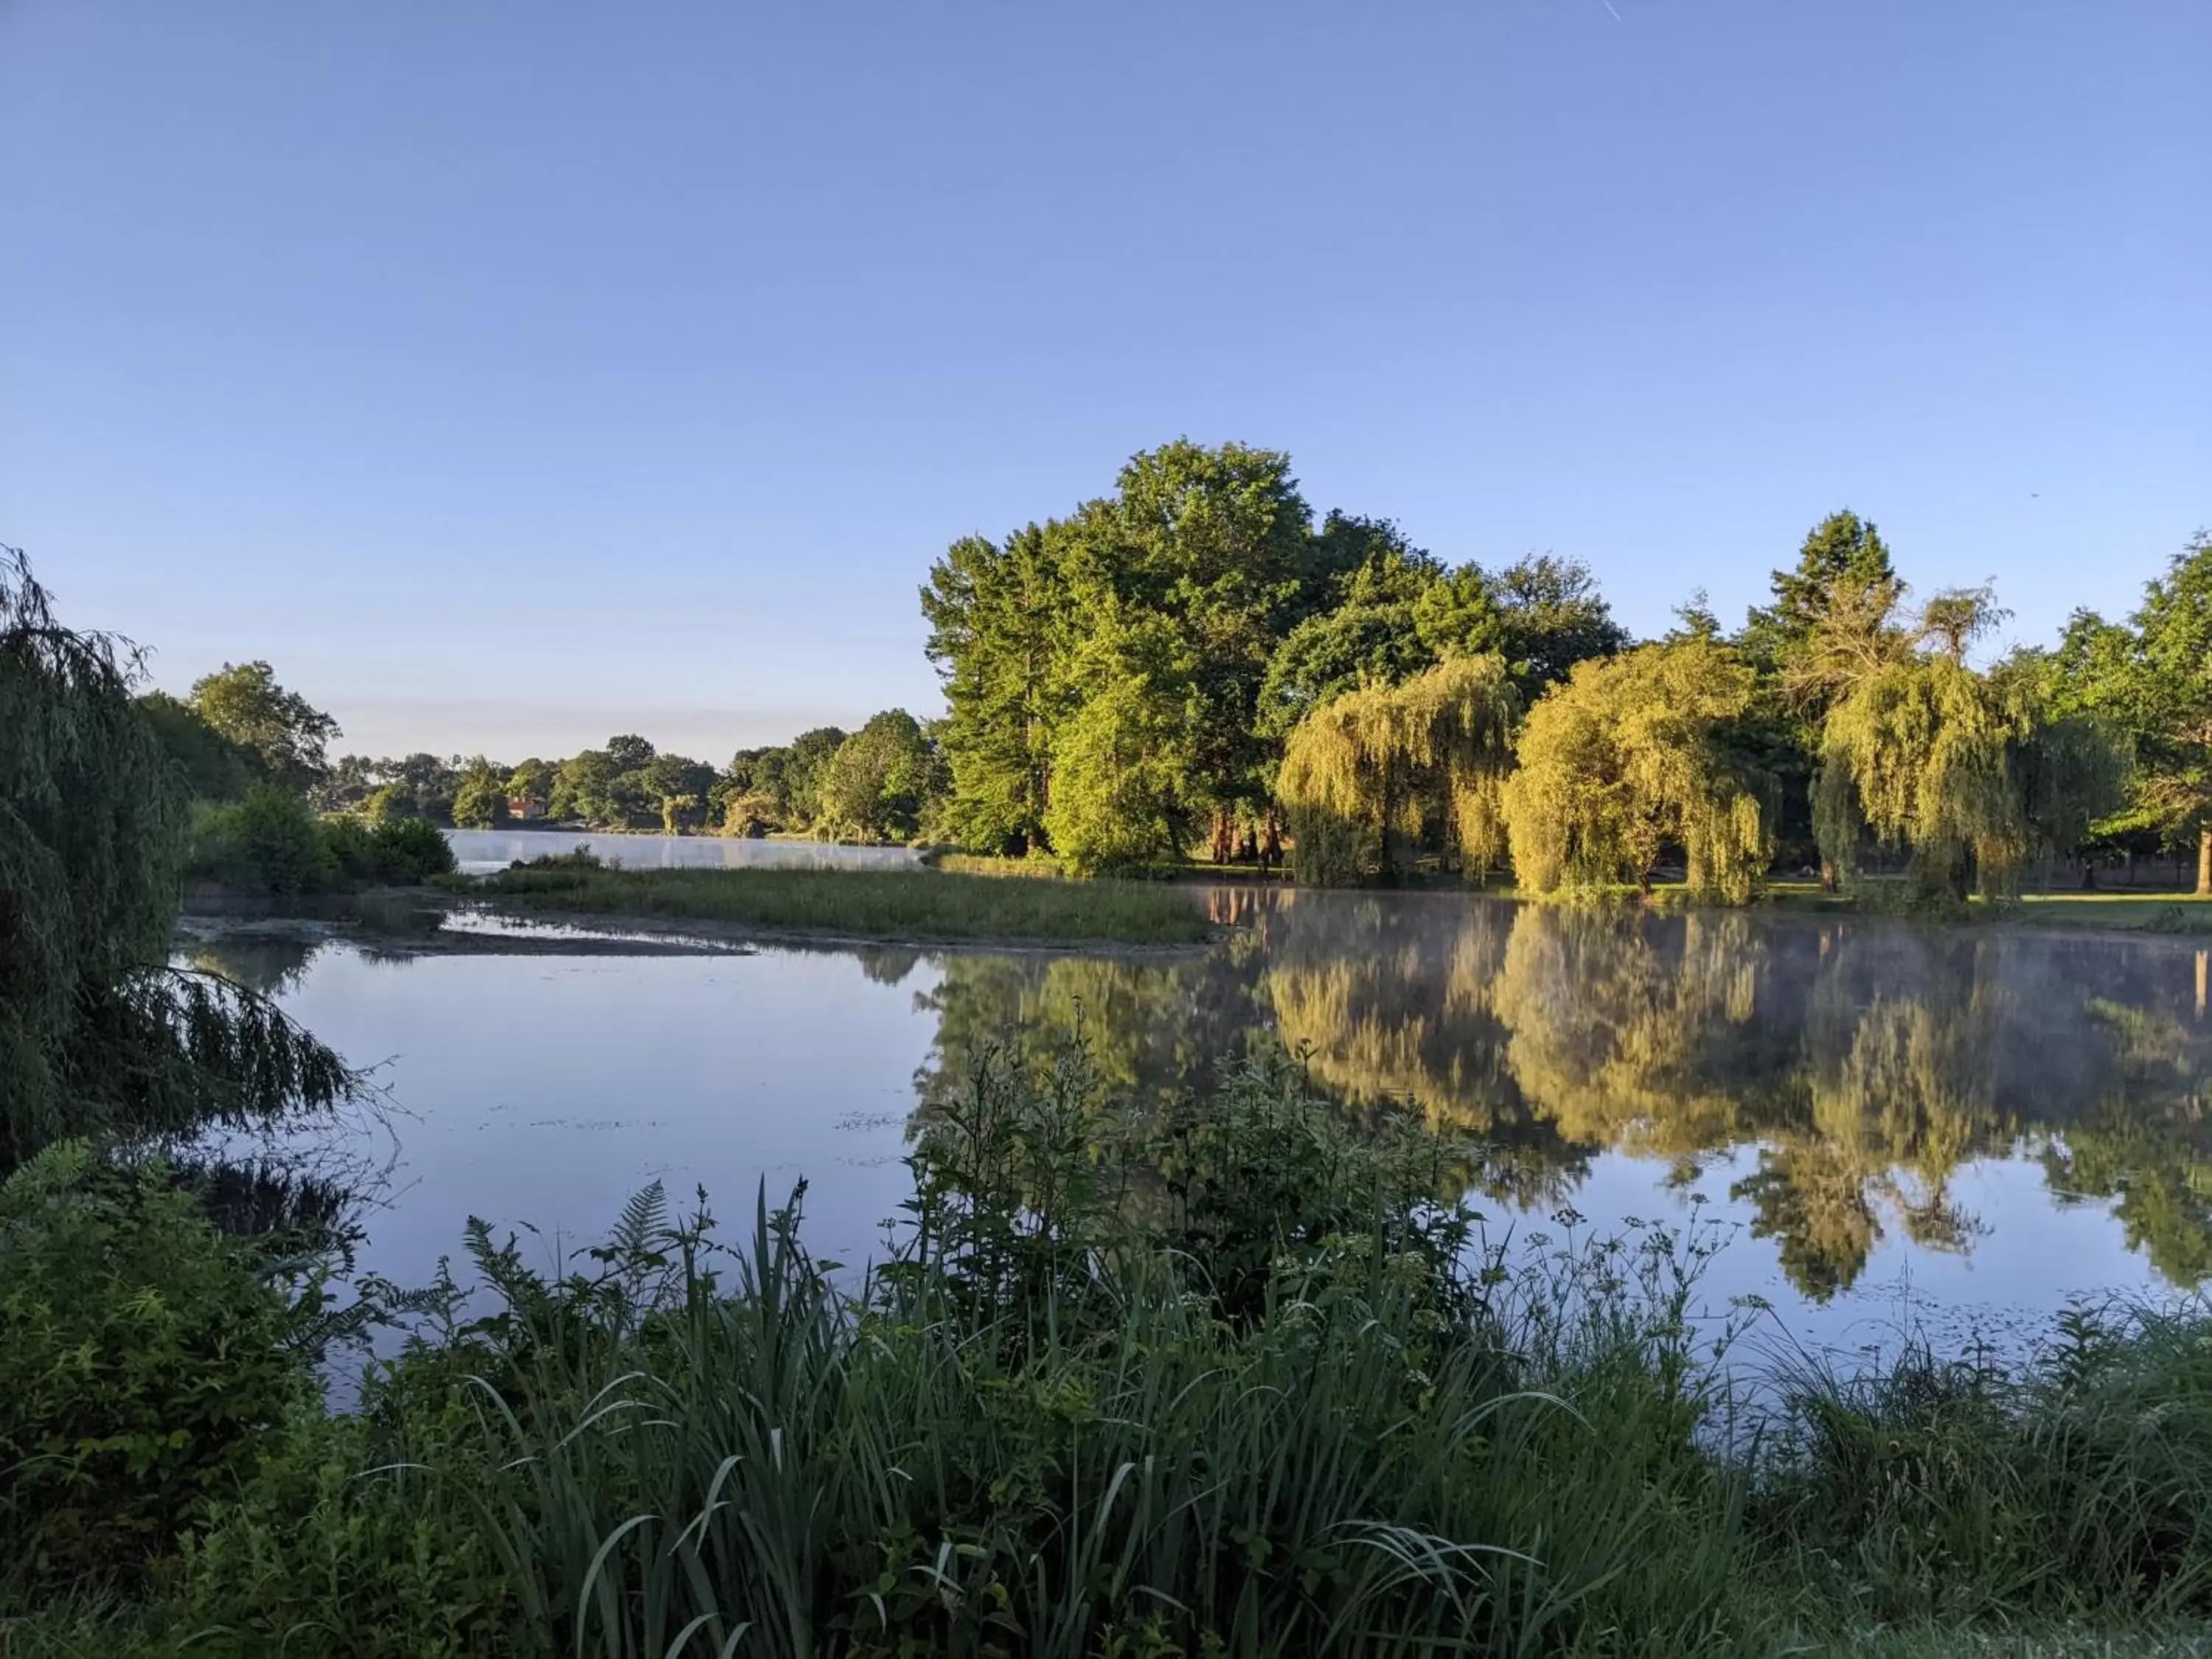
[1034,1431]
[1958,1489]
[917,904]
[1228,1380]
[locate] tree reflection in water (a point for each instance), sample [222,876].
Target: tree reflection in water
[1860,1064]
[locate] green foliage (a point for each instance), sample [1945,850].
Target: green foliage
[878,782]
[391,802]
[1117,798]
[356,1535]
[480,796]
[213,767]
[1842,551]
[2152,682]
[1631,754]
[918,904]
[287,736]
[145,1355]
[804,761]
[999,623]
[1364,634]
[271,843]
[97,1035]
[1954,1491]
[268,842]
[1368,772]
[1198,606]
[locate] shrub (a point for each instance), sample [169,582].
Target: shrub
[145,1355]
[267,843]
[359,1538]
[271,843]
[411,850]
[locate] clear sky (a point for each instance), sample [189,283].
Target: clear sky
[511,374]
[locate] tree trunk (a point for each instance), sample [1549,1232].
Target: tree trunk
[1828,877]
[2204,862]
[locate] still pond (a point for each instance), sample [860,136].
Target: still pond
[1950,1131]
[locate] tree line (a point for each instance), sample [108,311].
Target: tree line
[879,782]
[1195,664]
[239,731]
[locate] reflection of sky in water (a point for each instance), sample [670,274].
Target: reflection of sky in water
[1954,1132]
[482,851]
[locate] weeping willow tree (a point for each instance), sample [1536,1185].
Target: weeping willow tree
[1631,756]
[1969,774]
[99,1035]
[1368,774]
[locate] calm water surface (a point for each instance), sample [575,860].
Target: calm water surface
[481,851]
[1963,1129]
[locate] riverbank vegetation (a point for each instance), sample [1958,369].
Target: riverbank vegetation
[917,904]
[1134,1376]
[1231,1382]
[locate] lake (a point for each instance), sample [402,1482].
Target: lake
[481,851]
[1956,1130]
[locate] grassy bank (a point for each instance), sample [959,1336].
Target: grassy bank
[898,904]
[1222,1384]
[2175,913]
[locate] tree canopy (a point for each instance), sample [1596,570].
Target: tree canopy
[1369,771]
[1631,756]
[2151,681]
[287,736]
[1205,613]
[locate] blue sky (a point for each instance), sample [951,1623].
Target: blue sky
[510,374]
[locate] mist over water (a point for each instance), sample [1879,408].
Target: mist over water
[1960,1129]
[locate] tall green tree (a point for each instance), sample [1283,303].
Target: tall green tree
[1212,541]
[480,796]
[1121,773]
[99,1035]
[1542,615]
[801,782]
[1842,550]
[2153,679]
[582,786]
[879,782]
[1365,633]
[677,788]
[1000,630]
[287,735]
[212,766]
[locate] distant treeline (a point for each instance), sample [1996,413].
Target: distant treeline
[878,783]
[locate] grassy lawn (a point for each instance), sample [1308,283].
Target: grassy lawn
[2150,913]
[899,904]
[2157,913]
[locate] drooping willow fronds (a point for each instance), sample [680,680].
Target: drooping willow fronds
[1367,774]
[1627,758]
[1964,770]
[97,1035]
